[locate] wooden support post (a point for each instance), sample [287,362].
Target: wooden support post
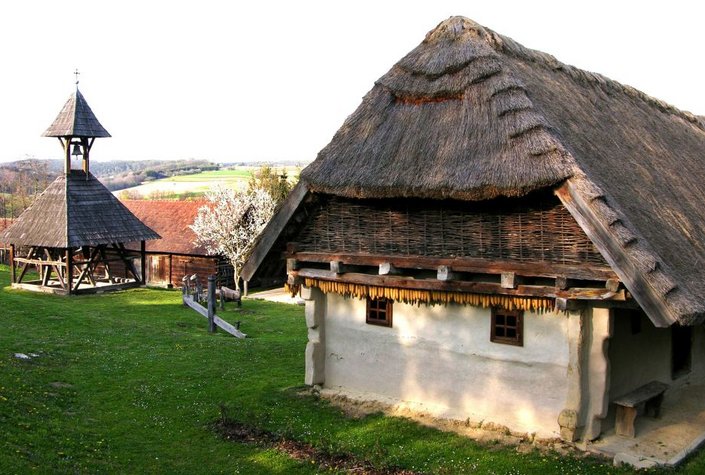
[171,275]
[221,296]
[445,273]
[387,268]
[211,303]
[612,285]
[86,154]
[67,155]
[338,267]
[69,270]
[292,264]
[143,266]
[244,287]
[561,282]
[13,271]
[508,280]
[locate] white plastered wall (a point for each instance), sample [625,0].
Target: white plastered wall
[440,359]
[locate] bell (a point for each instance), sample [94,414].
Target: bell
[76,150]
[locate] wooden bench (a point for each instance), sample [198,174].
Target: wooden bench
[649,395]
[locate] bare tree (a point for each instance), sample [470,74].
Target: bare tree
[230,222]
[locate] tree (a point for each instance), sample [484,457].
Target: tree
[273,181]
[230,222]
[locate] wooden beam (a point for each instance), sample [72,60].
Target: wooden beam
[39,262]
[13,271]
[25,266]
[472,265]
[67,155]
[69,270]
[654,304]
[106,263]
[143,263]
[58,268]
[457,285]
[87,270]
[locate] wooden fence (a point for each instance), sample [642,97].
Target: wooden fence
[191,296]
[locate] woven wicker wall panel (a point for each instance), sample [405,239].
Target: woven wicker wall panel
[535,229]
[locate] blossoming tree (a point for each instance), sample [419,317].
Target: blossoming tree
[230,222]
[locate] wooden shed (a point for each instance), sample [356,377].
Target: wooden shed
[176,254]
[494,235]
[75,231]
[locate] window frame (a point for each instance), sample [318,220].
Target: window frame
[388,313]
[518,340]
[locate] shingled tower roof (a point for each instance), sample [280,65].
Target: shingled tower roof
[74,211]
[76,119]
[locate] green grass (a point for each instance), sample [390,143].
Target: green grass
[131,382]
[218,175]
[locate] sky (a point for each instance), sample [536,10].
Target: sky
[273,80]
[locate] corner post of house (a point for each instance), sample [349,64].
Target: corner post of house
[316,346]
[13,268]
[143,262]
[597,376]
[570,418]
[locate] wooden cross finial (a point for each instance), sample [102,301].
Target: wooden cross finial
[76,73]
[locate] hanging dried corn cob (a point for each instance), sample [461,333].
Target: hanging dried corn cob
[432,297]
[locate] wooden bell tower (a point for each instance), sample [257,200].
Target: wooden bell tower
[74,232]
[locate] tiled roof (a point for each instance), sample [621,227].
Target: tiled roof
[171,219]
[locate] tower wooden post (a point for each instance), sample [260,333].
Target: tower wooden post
[69,270]
[13,272]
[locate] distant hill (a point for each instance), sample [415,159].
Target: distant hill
[22,180]
[117,174]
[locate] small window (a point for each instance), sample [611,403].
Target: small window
[507,326]
[379,312]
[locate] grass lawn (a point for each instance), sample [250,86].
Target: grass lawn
[131,382]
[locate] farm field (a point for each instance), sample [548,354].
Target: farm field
[199,183]
[132,382]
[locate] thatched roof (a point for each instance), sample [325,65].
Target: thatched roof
[76,119]
[172,220]
[470,114]
[74,211]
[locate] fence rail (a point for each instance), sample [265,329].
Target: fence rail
[190,298]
